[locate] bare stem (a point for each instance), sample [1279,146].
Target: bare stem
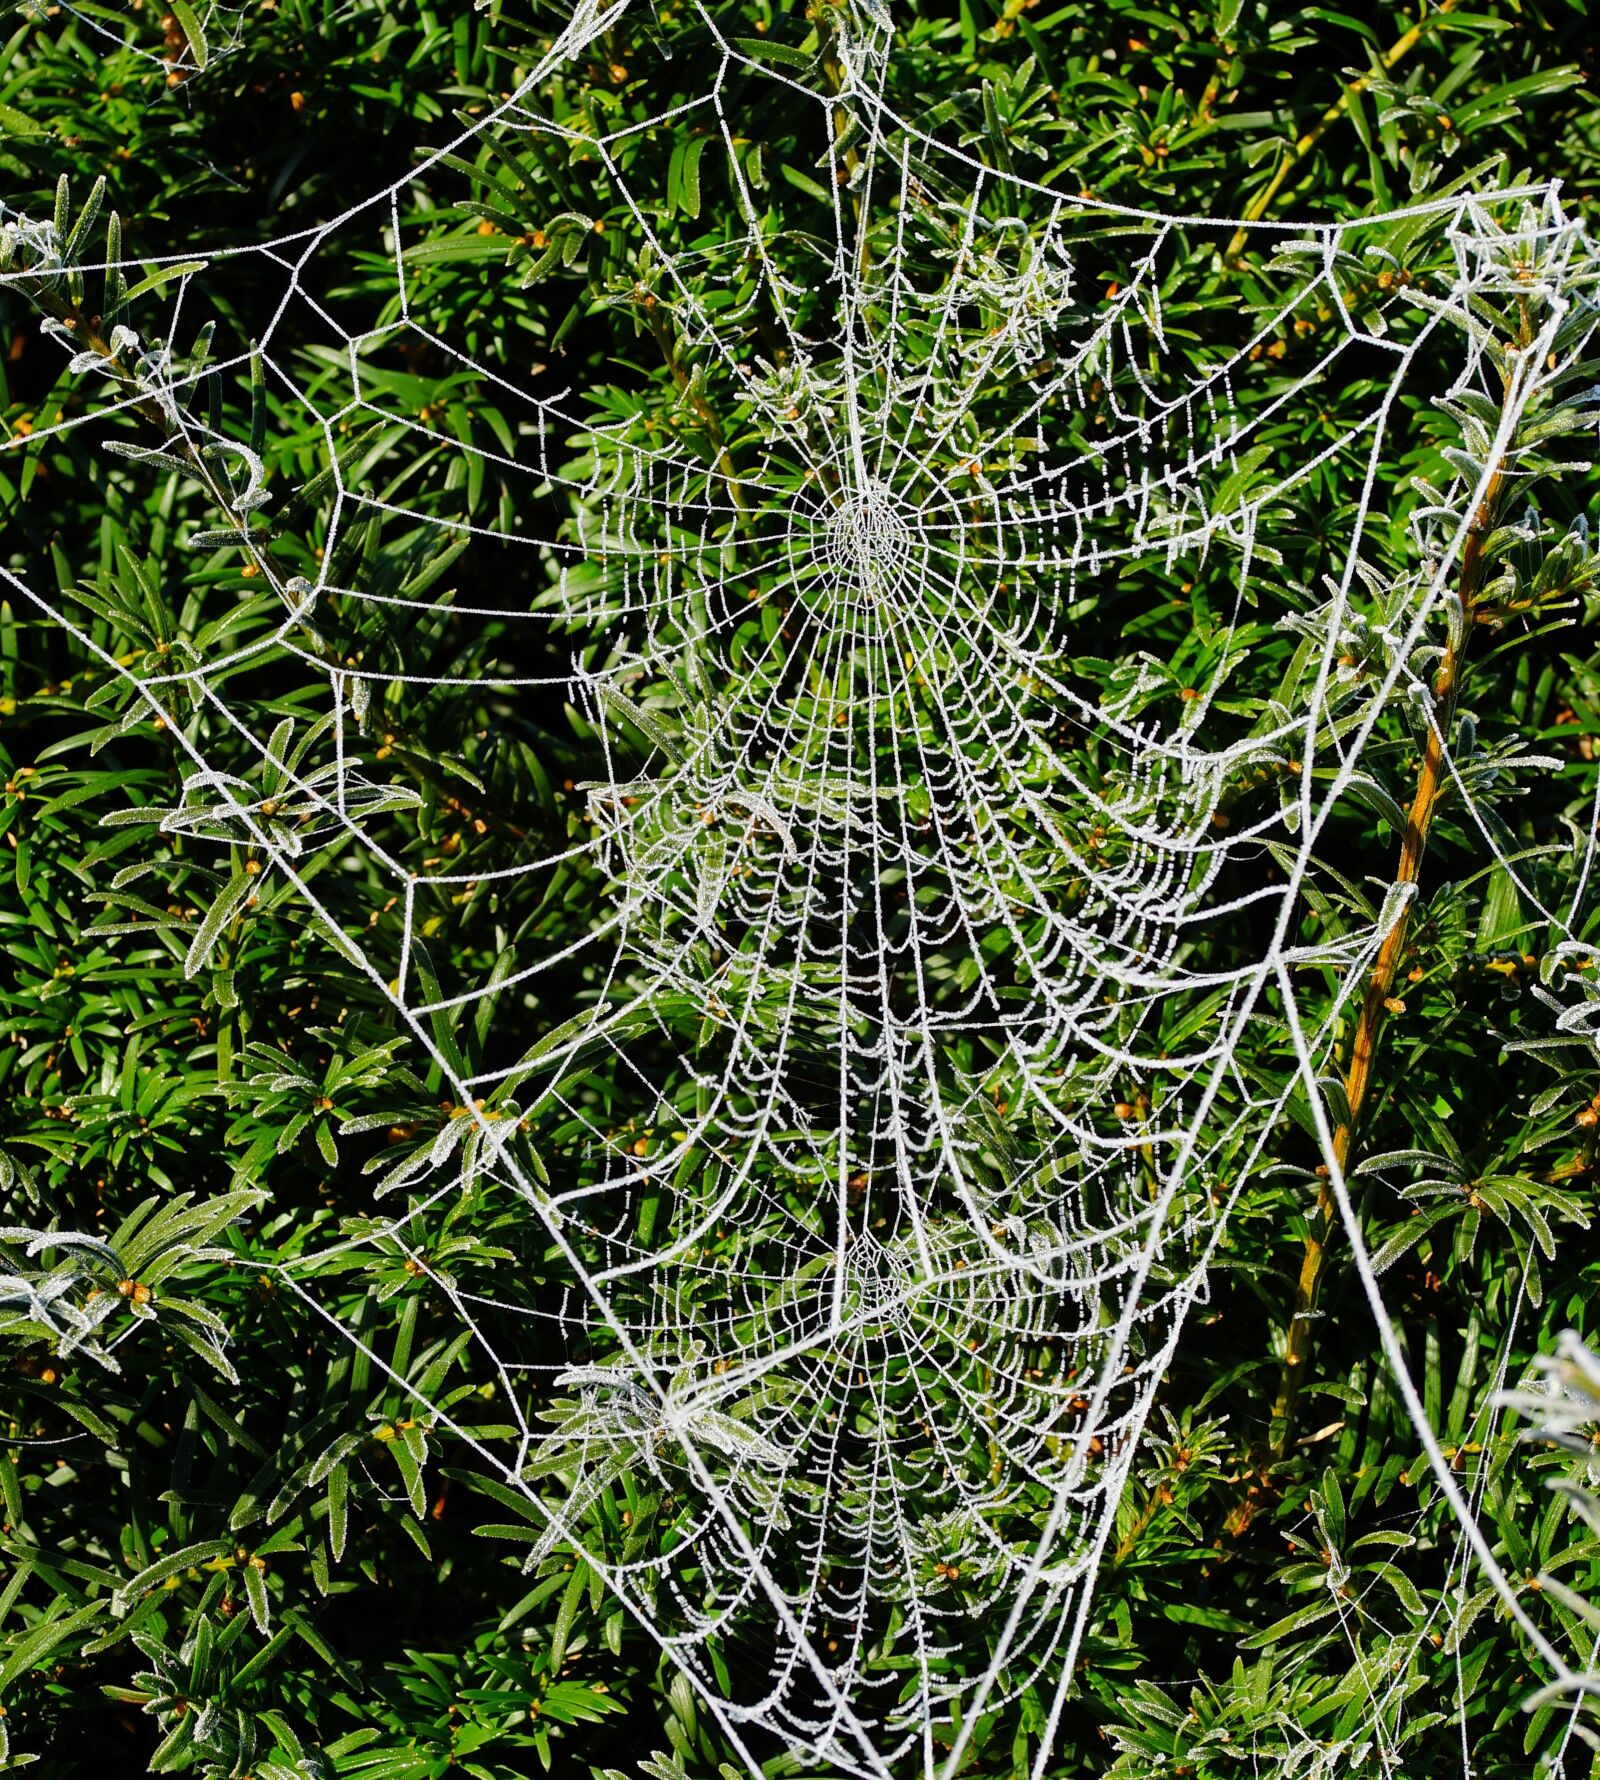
[1380,988]
[1213,90]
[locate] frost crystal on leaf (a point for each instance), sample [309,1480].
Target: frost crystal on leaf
[882,1154]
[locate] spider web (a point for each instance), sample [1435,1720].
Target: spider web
[191,38]
[877,1235]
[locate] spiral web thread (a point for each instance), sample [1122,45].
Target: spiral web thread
[872,1287]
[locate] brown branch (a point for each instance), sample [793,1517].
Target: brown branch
[1375,1003]
[1262,202]
[1203,112]
[1140,1526]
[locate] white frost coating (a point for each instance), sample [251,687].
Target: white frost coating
[879,1267]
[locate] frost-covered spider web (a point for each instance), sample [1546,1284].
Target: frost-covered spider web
[182,40]
[885,1145]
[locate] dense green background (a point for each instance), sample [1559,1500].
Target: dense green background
[309,1576]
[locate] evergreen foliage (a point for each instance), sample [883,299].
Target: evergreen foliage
[239,1542]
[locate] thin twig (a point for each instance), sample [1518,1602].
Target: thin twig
[1380,989]
[1262,202]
